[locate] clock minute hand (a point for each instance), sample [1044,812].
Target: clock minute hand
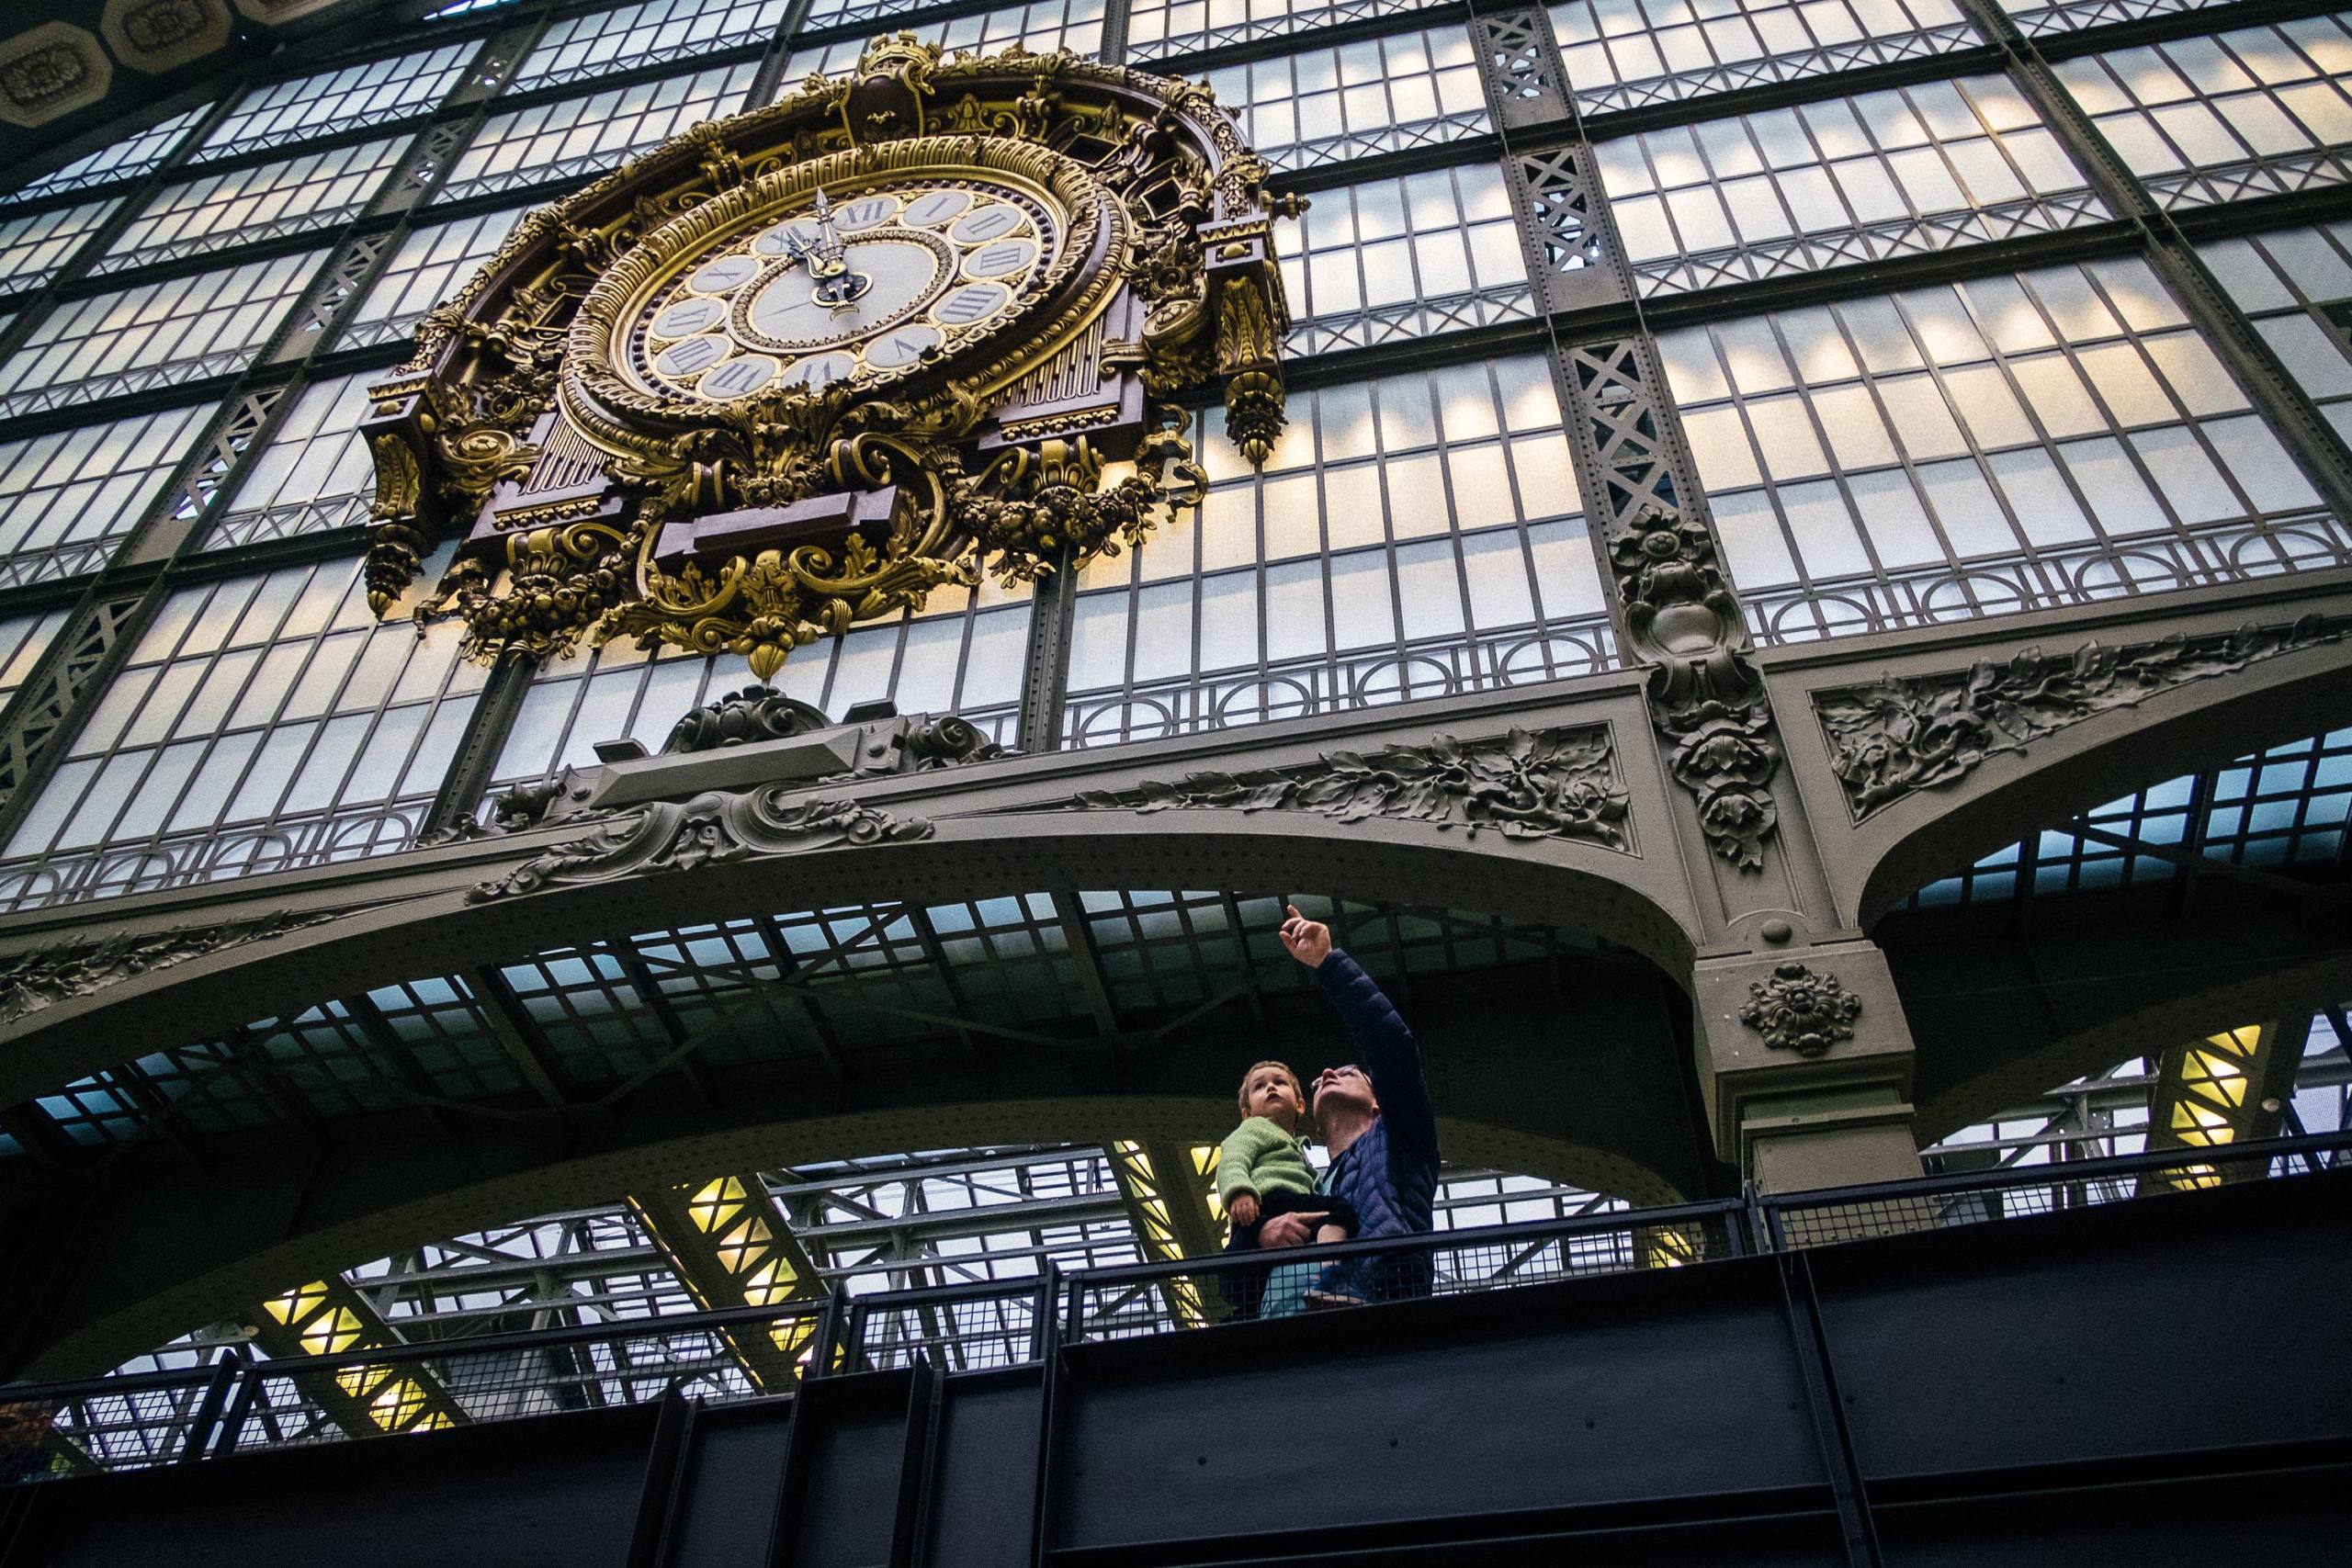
[836,288]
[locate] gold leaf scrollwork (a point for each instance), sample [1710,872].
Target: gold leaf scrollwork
[561,580]
[1163,274]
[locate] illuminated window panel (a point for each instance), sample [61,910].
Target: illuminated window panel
[2295,285]
[2283,807]
[314,474]
[430,265]
[34,246]
[2011,442]
[69,498]
[314,190]
[1415,536]
[1324,105]
[261,722]
[588,135]
[123,159]
[373,94]
[1158,30]
[154,335]
[1041,27]
[2249,113]
[1623,55]
[578,48]
[964,655]
[1403,258]
[23,640]
[1838,182]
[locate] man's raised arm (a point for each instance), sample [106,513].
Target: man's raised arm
[1391,1057]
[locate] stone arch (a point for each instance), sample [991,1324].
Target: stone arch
[2229,701]
[335,930]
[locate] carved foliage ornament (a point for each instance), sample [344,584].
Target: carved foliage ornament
[1682,619]
[1798,1010]
[798,369]
[36,981]
[1889,740]
[713,829]
[1550,783]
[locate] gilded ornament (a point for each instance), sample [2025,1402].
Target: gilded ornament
[797,369]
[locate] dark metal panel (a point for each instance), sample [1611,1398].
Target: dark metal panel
[1601,1395]
[988,1455]
[855,1435]
[2200,1320]
[2221,1521]
[561,1490]
[726,1505]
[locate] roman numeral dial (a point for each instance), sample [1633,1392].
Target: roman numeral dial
[863,283]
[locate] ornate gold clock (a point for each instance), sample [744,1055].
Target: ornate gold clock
[797,369]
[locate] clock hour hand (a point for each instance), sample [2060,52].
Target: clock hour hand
[835,287]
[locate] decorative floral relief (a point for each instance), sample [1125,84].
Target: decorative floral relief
[36,981]
[713,829]
[1550,783]
[1798,1010]
[1891,740]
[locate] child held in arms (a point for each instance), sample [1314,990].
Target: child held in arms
[1262,1171]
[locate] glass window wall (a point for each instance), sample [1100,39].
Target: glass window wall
[35,245]
[69,498]
[1840,182]
[587,136]
[427,268]
[260,723]
[372,94]
[1406,257]
[577,48]
[2009,442]
[1411,537]
[314,474]
[234,207]
[2249,113]
[1158,30]
[1384,95]
[1041,27]
[23,640]
[963,654]
[2296,284]
[154,335]
[1624,55]
[123,159]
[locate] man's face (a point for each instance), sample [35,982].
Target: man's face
[1347,1088]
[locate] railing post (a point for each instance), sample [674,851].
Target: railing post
[1809,1342]
[1763,1236]
[215,1400]
[1050,1353]
[853,1358]
[917,1461]
[831,1319]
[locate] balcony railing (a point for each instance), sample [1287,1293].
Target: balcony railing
[240,1405]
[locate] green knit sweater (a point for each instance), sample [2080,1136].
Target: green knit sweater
[1259,1157]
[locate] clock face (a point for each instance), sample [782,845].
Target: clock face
[870,283]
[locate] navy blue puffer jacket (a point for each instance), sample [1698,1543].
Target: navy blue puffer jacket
[1390,1172]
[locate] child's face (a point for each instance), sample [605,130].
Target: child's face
[1271,1093]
